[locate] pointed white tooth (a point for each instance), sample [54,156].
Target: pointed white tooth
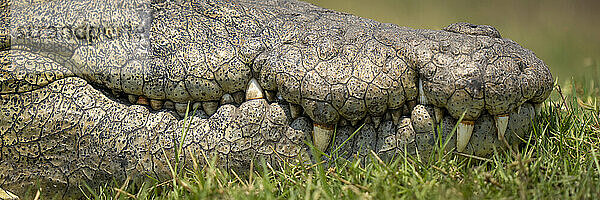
[463,134]
[376,121]
[538,108]
[181,108]
[270,95]
[132,98]
[396,116]
[501,125]
[439,114]
[295,110]
[322,136]
[210,107]
[227,99]
[422,97]
[519,109]
[254,90]
[156,104]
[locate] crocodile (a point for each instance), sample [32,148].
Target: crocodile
[93,91]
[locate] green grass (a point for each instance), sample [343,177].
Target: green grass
[560,161]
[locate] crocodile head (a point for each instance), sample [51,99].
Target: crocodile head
[94,90]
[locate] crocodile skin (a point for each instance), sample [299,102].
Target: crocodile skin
[92,91]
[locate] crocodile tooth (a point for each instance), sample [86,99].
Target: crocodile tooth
[295,110]
[422,97]
[439,114]
[532,113]
[463,134]
[396,116]
[271,95]
[376,121]
[538,108]
[181,108]
[254,91]
[132,98]
[387,116]
[156,104]
[227,99]
[501,125]
[169,105]
[210,107]
[142,101]
[322,136]
[196,106]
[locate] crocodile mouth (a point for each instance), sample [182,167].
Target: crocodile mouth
[413,127]
[291,114]
[205,109]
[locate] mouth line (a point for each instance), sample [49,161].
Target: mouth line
[424,121]
[205,109]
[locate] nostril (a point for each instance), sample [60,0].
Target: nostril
[520,64]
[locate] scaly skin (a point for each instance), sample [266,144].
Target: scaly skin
[69,66]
